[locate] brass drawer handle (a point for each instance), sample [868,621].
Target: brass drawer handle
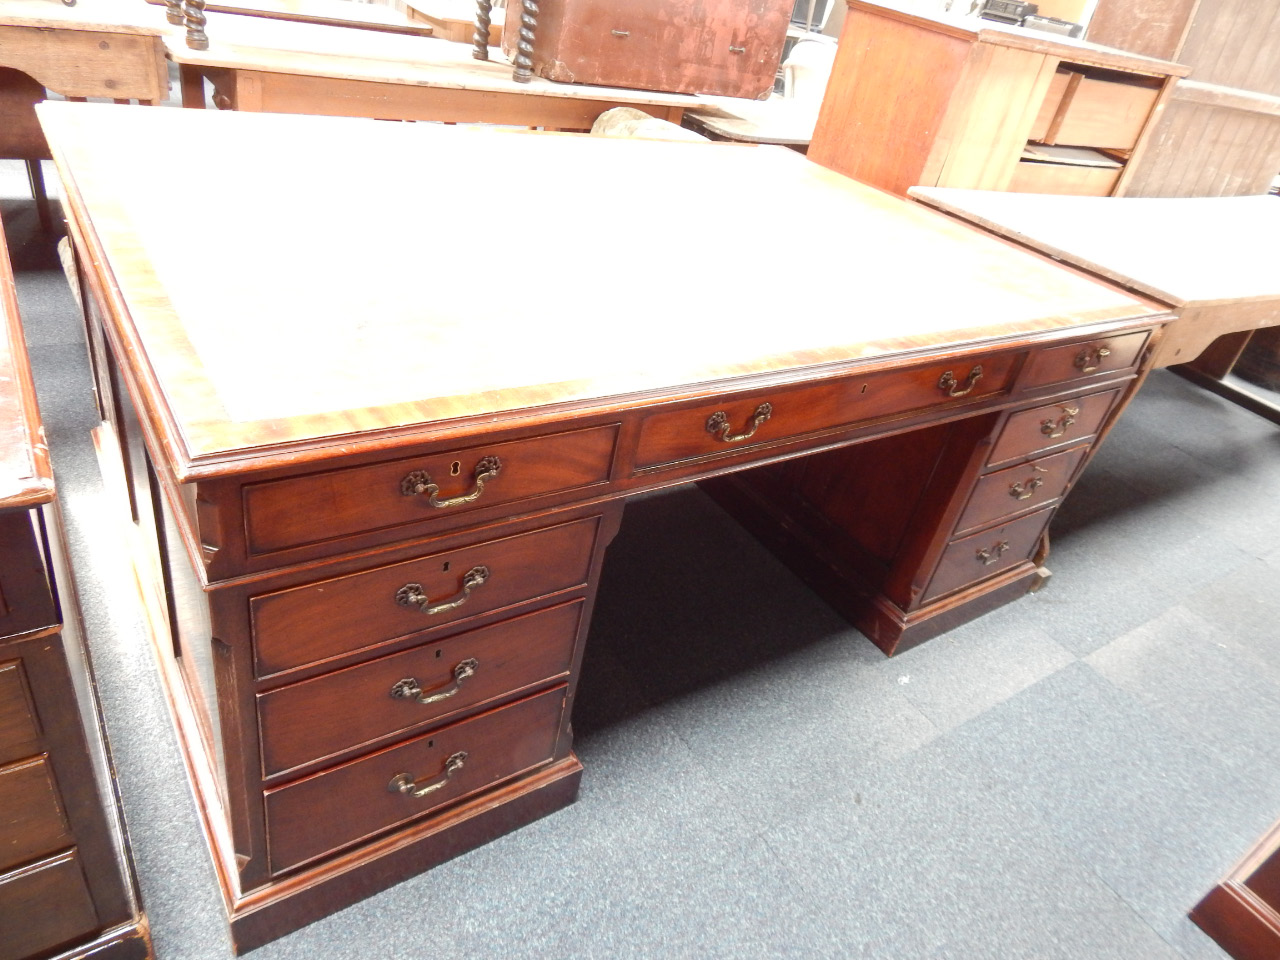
[1056,428]
[420,482]
[410,689]
[952,388]
[1025,491]
[403,783]
[412,594]
[718,424]
[990,555]
[1090,358]
[621,33]
[737,49]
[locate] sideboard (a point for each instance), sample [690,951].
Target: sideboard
[370,485]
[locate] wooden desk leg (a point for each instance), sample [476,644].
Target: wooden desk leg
[480,42]
[173,12]
[524,45]
[191,80]
[36,175]
[193,12]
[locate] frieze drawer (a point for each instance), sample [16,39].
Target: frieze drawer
[1020,488]
[351,802]
[1051,426]
[294,512]
[1093,358]
[318,621]
[339,711]
[985,554]
[735,423]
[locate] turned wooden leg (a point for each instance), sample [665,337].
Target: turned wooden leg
[173,12]
[480,42]
[524,45]
[193,12]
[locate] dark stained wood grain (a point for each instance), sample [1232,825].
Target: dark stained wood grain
[1053,425]
[1020,488]
[33,824]
[31,927]
[19,728]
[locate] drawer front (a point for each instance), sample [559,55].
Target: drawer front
[1051,426]
[1020,488]
[353,801]
[43,906]
[1105,113]
[32,823]
[19,729]
[974,558]
[318,621]
[1090,359]
[734,423]
[326,715]
[26,600]
[302,510]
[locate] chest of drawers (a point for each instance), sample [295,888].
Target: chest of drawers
[369,567]
[66,887]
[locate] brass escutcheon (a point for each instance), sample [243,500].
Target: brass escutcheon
[948,384]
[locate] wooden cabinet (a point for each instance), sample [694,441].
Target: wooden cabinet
[959,102]
[65,883]
[1242,913]
[729,48]
[1219,134]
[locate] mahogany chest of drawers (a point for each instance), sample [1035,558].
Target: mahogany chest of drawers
[66,888]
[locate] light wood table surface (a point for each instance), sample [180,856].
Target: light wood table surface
[778,120]
[382,501]
[263,65]
[1213,259]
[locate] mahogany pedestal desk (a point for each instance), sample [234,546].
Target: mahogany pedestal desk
[1212,259]
[370,508]
[66,888]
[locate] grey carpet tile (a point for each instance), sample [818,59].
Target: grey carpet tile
[45,303]
[64,390]
[1183,668]
[1155,815]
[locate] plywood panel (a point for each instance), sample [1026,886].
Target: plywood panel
[1151,27]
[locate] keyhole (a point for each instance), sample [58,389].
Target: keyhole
[438,654]
[431,743]
[455,469]
[864,389]
[446,566]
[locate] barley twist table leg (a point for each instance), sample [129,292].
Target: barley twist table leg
[194,13]
[480,42]
[524,46]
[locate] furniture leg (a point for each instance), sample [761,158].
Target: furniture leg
[173,12]
[193,14]
[192,82]
[480,50]
[36,175]
[1221,355]
[524,45]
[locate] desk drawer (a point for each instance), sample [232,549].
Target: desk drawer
[32,823]
[1020,488]
[351,802]
[26,600]
[53,902]
[1094,358]
[330,618]
[1051,426]
[326,715]
[732,424]
[982,555]
[323,506]
[19,729]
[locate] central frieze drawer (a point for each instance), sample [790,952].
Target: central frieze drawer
[330,618]
[330,810]
[296,511]
[736,423]
[327,715]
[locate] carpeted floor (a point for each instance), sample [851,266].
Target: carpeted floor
[1064,778]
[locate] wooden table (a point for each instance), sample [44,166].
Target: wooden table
[109,49]
[779,121]
[1212,259]
[262,65]
[66,887]
[371,516]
